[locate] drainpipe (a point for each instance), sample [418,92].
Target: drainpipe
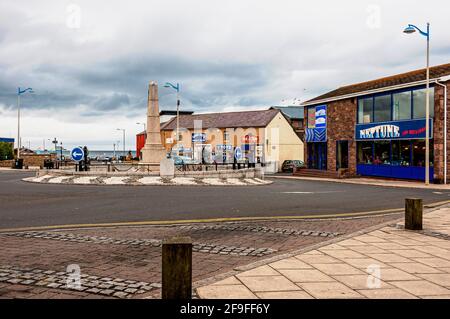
[444,79]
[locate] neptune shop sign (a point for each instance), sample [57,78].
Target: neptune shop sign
[414,129]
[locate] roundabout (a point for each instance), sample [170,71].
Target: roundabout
[25,204]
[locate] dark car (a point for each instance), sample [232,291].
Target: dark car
[290,165]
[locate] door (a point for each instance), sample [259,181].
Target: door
[341,154]
[317,156]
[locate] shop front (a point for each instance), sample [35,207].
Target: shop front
[393,150]
[378,128]
[390,134]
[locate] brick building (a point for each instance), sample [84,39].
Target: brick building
[377,128]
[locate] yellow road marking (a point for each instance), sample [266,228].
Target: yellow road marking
[215,220]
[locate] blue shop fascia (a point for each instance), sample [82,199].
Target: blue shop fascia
[378,128]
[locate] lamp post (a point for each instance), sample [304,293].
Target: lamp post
[123,132]
[411,29]
[177,88]
[139,123]
[19,92]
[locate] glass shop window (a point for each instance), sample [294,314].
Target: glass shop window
[365,110]
[402,106]
[382,108]
[401,153]
[419,103]
[382,153]
[419,153]
[365,155]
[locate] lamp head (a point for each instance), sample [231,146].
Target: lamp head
[409,29]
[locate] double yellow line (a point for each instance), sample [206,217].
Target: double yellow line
[216,220]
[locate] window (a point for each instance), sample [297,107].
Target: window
[419,153]
[402,106]
[365,152]
[365,110]
[401,153]
[382,150]
[419,103]
[311,117]
[382,108]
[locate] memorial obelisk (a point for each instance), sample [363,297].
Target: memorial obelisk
[153,151]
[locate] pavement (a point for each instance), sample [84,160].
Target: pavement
[370,181]
[125,262]
[31,205]
[389,263]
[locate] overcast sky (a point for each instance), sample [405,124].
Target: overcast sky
[90,62]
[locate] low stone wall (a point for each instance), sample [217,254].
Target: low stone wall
[7,163]
[242,173]
[66,172]
[36,160]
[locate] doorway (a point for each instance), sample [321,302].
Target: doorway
[317,156]
[341,154]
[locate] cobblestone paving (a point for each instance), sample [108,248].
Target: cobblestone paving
[196,247]
[115,287]
[262,229]
[141,261]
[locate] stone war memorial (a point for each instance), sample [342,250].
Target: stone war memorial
[153,152]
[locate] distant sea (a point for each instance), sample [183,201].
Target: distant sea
[109,153]
[93,153]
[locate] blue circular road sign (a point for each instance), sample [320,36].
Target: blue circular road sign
[77,154]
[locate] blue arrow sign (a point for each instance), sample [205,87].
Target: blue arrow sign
[77,154]
[238,153]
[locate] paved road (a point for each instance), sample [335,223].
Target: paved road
[25,204]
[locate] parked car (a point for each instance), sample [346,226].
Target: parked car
[290,165]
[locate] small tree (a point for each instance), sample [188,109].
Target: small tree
[6,151]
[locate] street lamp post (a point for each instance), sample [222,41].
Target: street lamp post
[411,29]
[139,123]
[177,88]
[19,92]
[123,132]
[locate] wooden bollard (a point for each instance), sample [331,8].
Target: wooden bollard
[177,268]
[413,213]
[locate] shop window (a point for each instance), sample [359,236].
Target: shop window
[382,108]
[365,153]
[382,151]
[418,147]
[419,103]
[365,110]
[401,153]
[402,106]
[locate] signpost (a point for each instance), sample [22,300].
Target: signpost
[77,154]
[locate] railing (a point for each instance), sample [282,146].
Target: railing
[214,166]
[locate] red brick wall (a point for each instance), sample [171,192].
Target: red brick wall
[438,133]
[341,121]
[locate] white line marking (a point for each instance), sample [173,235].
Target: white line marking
[312,192]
